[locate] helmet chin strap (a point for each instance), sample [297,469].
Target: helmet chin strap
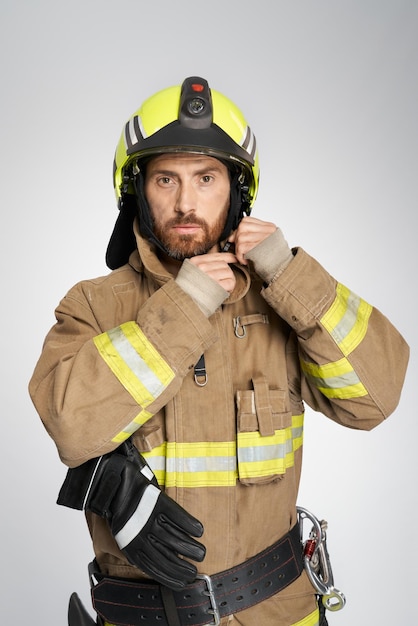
[238,207]
[239,204]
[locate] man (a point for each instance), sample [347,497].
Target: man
[174,387]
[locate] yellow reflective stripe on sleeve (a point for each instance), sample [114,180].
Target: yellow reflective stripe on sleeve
[133,426]
[347,319]
[310,620]
[137,365]
[135,362]
[334,380]
[265,456]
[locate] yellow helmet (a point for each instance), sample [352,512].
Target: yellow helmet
[185,118]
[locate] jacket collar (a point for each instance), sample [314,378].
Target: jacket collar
[144,259]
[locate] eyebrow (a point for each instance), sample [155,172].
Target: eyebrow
[199,172]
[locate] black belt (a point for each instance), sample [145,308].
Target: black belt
[126,602]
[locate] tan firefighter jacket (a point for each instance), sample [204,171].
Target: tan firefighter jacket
[226,443]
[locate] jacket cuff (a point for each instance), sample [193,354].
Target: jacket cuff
[206,292]
[271,256]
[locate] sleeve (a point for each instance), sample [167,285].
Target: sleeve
[352,359]
[93,387]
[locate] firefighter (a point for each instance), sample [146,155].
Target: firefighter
[174,387]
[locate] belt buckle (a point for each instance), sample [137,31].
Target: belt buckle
[211,595]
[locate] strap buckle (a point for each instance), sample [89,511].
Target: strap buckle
[209,591]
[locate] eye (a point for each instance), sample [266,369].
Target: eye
[207,178]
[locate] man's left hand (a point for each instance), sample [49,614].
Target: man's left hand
[250,232]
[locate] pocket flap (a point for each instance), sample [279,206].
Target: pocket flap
[263,406]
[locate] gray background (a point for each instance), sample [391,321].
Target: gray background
[330,89]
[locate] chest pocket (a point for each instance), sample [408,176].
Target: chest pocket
[267,433]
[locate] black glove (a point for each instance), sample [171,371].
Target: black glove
[150,528]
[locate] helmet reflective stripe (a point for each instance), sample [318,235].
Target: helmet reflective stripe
[133,132]
[249,143]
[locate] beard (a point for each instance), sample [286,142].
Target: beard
[185,246]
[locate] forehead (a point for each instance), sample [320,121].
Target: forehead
[184,159]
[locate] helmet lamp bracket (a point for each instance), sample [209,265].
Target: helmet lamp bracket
[195,110]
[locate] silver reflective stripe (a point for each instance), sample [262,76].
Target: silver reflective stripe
[147,472]
[335,382]
[297,432]
[130,137]
[140,517]
[251,145]
[134,131]
[201,464]
[249,142]
[141,128]
[349,319]
[265,453]
[91,481]
[131,428]
[156,463]
[136,364]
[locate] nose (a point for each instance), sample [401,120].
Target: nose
[186,198]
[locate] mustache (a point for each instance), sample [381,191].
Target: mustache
[188,219]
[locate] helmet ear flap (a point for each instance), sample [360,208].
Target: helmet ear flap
[144,214]
[132,203]
[122,241]
[145,223]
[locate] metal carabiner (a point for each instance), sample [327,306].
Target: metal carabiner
[237,326]
[317,562]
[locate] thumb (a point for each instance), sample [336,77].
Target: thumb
[232,236]
[229,242]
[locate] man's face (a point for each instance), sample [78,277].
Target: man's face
[188,196]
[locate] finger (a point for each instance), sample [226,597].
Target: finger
[226,257]
[177,541]
[231,237]
[172,546]
[255,222]
[249,237]
[164,566]
[219,257]
[178,516]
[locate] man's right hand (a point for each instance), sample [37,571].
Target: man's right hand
[217,266]
[151,529]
